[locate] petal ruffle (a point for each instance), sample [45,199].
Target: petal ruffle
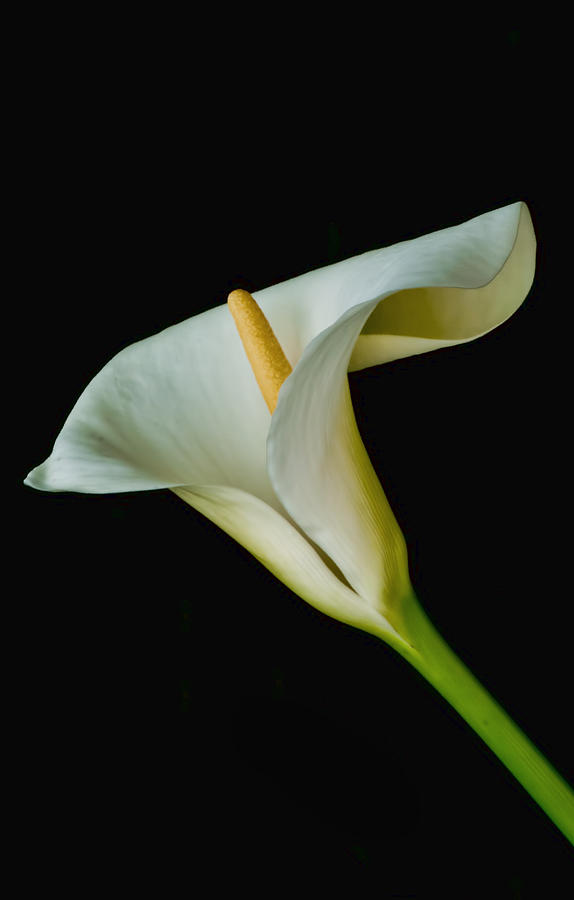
[459,304]
[470,279]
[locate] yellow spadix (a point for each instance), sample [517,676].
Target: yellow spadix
[264,352]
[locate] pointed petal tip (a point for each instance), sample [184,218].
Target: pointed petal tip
[38,478]
[35,480]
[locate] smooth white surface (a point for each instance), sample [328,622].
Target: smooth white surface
[182,408]
[316,459]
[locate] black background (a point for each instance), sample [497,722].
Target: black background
[184,714]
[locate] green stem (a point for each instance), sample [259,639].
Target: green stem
[435,660]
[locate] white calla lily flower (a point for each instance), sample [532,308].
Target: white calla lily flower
[183,410]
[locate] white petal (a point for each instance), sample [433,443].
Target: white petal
[180,407]
[183,406]
[287,554]
[443,296]
[316,459]
[466,256]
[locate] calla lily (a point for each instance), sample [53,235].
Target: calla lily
[183,410]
